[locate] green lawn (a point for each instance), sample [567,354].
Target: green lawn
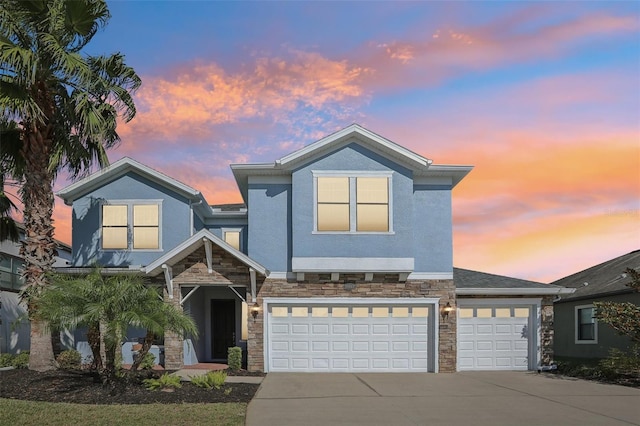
[16,412]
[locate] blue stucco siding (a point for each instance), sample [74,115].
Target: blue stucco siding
[353,157]
[174,217]
[269,236]
[432,233]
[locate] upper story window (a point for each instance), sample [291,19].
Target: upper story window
[353,202]
[131,225]
[586,327]
[232,237]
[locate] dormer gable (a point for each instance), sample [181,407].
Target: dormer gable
[421,167]
[128,165]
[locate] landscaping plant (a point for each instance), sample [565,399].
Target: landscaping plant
[234,358]
[21,360]
[6,360]
[213,379]
[69,360]
[166,381]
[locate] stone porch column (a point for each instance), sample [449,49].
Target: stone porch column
[173,343]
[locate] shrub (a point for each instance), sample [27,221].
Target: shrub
[166,381]
[148,361]
[21,360]
[213,379]
[69,359]
[619,362]
[6,360]
[235,358]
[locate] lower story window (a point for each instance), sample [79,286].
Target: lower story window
[585,324]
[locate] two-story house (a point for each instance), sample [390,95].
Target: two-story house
[340,259]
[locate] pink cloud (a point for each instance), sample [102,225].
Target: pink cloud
[430,57]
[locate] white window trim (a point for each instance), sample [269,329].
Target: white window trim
[576,327]
[130,204]
[352,175]
[238,230]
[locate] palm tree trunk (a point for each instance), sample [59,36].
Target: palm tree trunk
[146,345]
[38,248]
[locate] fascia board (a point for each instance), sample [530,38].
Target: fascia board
[194,241]
[455,172]
[117,169]
[512,291]
[363,135]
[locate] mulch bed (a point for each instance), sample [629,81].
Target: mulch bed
[86,388]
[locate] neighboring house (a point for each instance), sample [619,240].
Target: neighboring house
[14,326]
[340,259]
[578,333]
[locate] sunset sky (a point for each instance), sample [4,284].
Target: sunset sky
[542,98]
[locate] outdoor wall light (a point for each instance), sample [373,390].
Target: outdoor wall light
[254,310]
[445,311]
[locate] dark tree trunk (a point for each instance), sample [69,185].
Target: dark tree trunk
[146,345]
[38,248]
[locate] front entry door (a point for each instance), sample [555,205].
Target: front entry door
[223,326]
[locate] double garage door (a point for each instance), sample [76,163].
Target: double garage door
[496,336]
[348,336]
[356,335]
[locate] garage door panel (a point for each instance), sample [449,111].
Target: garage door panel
[358,338]
[400,346]
[299,329]
[280,329]
[360,346]
[484,329]
[299,363]
[340,346]
[484,345]
[340,329]
[299,346]
[381,329]
[504,329]
[380,346]
[466,329]
[502,345]
[320,328]
[360,329]
[320,346]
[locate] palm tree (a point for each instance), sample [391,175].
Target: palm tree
[111,303]
[65,105]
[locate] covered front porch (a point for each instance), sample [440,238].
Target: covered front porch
[215,284]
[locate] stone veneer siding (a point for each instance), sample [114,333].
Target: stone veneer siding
[320,285]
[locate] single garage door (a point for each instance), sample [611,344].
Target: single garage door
[494,337]
[346,337]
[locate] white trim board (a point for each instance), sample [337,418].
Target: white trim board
[352,264]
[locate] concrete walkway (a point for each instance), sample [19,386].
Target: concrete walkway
[187,373]
[470,398]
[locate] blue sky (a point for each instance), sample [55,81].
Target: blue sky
[543,98]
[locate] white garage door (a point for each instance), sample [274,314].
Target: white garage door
[494,337]
[344,337]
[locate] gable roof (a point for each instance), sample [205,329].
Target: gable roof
[123,166]
[607,278]
[481,283]
[195,242]
[421,166]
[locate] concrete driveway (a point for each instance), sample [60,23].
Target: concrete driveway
[470,398]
